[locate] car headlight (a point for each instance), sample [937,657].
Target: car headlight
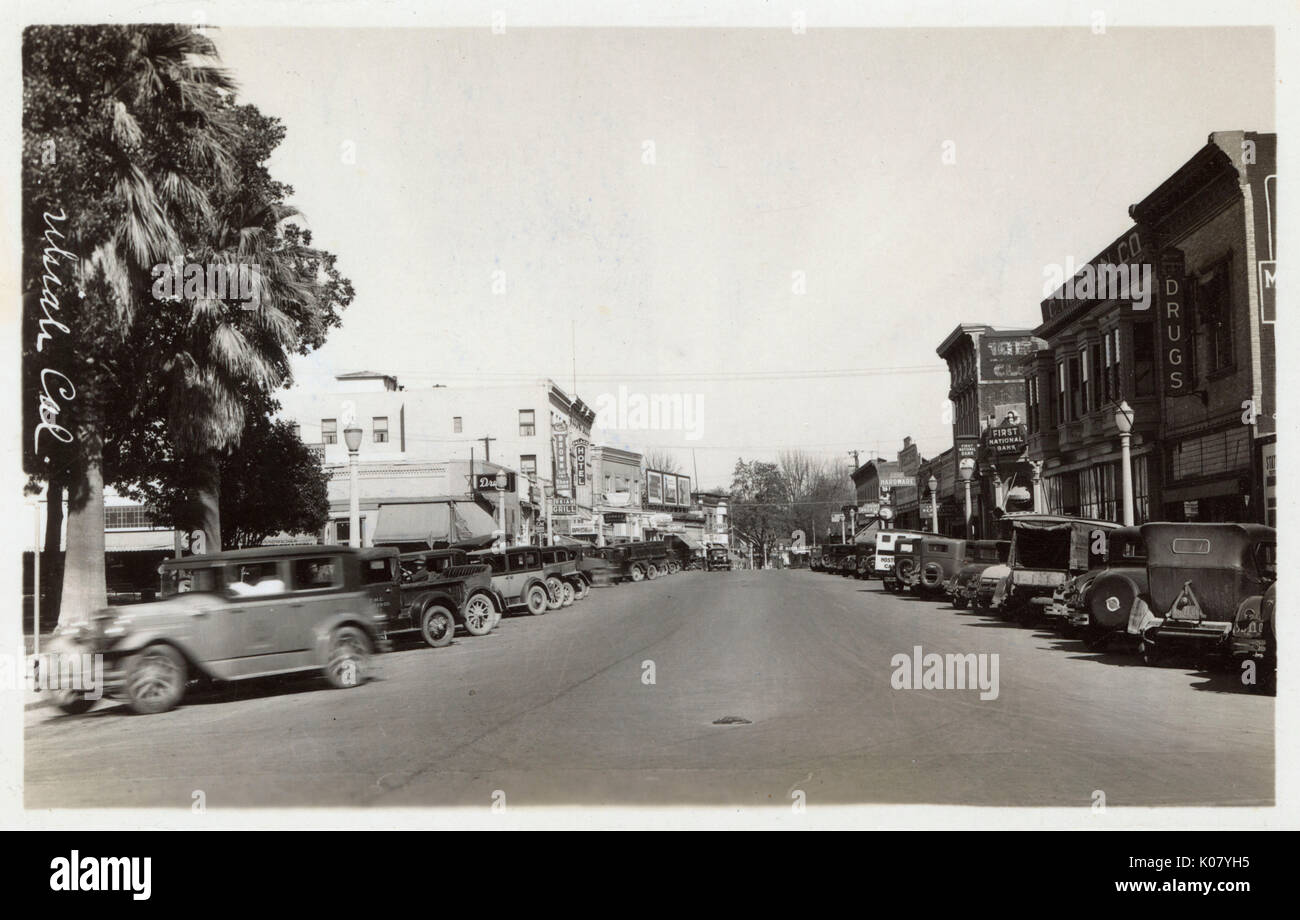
[118,626]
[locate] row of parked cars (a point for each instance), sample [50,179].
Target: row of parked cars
[1165,591]
[280,610]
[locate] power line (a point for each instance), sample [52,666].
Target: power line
[516,377]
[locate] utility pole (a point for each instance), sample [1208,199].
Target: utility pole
[487,448]
[855,459]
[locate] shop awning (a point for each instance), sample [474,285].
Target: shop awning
[413,523]
[473,521]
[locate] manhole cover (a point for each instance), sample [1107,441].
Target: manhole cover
[732,720]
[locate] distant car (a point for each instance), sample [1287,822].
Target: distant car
[636,561]
[963,587]
[718,559]
[234,616]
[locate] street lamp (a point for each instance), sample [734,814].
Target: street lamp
[967,469]
[934,505]
[352,436]
[501,482]
[1124,422]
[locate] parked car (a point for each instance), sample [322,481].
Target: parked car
[1199,578]
[562,573]
[1254,637]
[937,560]
[864,559]
[1099,603]
[234,616]
[680,553]
[906,558]
[518,578]
[430,592]
[635,561]
[885,545]
[963,587]
[1046,551]
[815,558]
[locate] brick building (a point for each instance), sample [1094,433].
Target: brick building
[1211,228]
[987,387]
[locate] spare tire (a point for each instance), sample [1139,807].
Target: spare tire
[932,577]
[1111,599]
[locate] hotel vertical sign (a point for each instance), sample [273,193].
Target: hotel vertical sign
[1171,325]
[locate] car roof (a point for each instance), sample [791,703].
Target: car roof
[1035,517]
[1158,537]
[262,552]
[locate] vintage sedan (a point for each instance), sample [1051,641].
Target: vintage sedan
[234,616]
[518,578]
[1199,576]
[1099,603]
[937,561]
[1048,550]
[1254,638]
[979,555]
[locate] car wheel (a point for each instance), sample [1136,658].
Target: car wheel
[638,573]
[480,615]
[155,679]
[349,655]
[73,702]
[673,568]
[538,602]
[555,587]
[581,589]
[437,625]
[568,596]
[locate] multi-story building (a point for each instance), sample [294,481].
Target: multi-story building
[1101,350]
[986,373]
[616,480]
[1189,346]
[535,431]
[1210,227]
[872,492]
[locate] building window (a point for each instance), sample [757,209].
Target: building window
[1060,393]
[527,423]
[1214,313]
[1097,389]
[379,424]
[528,465]
[455,424]
[297,430]
[329,431]
[127,517]
[1086,385]
[1144,359]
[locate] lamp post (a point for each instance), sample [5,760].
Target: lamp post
[967,469]
[501,482]
[1124,422]
[934,505]
[352,435]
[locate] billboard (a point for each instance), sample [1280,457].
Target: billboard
[684,491]
[670,489]
[654,487]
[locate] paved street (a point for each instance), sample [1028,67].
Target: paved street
[553,710]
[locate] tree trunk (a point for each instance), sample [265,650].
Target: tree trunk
[51,557]
[208,488]
[85,584]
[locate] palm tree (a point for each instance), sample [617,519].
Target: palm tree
[149,136]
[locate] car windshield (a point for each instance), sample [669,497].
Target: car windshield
[199,579]
[1266,561]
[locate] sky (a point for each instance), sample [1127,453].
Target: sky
[758,222]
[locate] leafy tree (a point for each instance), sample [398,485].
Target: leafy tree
[121,126]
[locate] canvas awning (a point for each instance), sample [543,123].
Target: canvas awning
[473,521]
[415,522]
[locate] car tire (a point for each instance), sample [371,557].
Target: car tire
[73,702]
[959,602]
[155,679]
[638,573]
[349,656]
[480,615]
[437,625]
[568,595]
[555,592]
[581,589]
[537,600]
[673,568]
